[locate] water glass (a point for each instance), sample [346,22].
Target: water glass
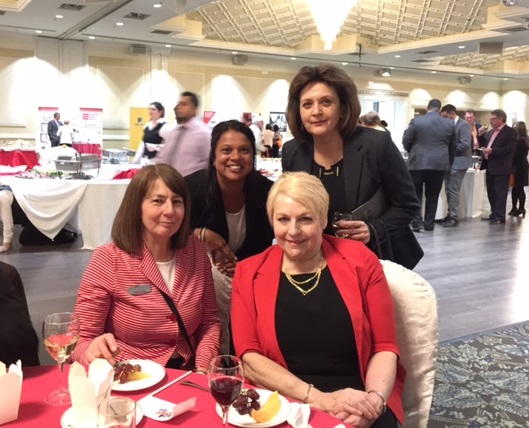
[117,412]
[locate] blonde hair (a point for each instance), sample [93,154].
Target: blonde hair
[303,188]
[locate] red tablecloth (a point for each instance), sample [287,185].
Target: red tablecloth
[19,157]
[40,381]
[87,148]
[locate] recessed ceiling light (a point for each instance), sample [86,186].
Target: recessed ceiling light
[505,78]
[292,59]
[59,16]
[234,52]
[38,31]
[433,72]
[471,75]
[91,37]
[397,56]
[345,63]
[157,5]
[461,47]
[119,24]
[167,46]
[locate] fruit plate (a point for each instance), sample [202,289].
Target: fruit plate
[246,421]
[68,417]
[155,371]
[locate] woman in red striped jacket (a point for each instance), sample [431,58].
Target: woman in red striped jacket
[126,291]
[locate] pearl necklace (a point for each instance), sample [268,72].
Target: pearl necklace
[297,284]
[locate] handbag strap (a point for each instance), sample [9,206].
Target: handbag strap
[179,320]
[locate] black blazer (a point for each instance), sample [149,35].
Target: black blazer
[503,148]
[520,164]
[207,210]
[371,161]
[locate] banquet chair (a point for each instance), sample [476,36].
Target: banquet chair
[417,326]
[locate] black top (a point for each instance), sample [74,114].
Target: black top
[207,210]
[333,181]
[315,334]
[152,136]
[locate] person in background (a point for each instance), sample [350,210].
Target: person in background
[152,141]
[268,139]
[124,301]
[352,162]
[17,335]
[431,143]
[478,130]
[521,170]
[498,150]
[6,214]
[257,128]
[53,128]
[312,317]
[277,141]
[371,120]
[65,134]
[228,208]
[186,146]
[462,161]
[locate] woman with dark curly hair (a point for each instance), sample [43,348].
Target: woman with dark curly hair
[352,162]
[521,168]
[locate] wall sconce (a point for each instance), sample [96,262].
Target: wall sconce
[384,72]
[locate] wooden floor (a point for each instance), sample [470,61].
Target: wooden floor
[480,273]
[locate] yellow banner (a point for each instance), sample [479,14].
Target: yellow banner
[139,116]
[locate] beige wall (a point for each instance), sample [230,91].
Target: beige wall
[70,74]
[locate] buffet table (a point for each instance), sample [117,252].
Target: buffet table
[84,206]
[19,157]
[39,381]
[88,148]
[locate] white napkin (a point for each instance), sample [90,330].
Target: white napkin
[299,415]
[10,390]
[162,410]
[88,392]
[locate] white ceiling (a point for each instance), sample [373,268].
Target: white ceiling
[429,35]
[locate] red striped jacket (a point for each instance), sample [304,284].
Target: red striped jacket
[143,325]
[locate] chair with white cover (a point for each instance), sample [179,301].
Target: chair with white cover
[417,326]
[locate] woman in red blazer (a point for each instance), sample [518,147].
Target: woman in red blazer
[312,316]
[121,300]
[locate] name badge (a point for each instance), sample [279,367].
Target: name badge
[138,290]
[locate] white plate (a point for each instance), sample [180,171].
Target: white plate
[246,421]
[155,371]
[68,418]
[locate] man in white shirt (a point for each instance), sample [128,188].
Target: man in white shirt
[257,127]
[187,145]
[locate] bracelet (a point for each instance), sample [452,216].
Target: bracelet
[306,398]
[202,234]
[384,401]
[201,371]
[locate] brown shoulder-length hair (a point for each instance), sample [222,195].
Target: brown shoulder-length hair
[337,79]
[127,229]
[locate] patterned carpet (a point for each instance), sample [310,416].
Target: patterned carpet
[482,381]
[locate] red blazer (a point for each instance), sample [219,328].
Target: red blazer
[362,284]
[144,326]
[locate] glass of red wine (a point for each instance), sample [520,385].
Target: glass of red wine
[60,333]
[226,378]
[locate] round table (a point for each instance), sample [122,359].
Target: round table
[39,381]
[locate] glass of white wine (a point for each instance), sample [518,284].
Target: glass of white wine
[60,333]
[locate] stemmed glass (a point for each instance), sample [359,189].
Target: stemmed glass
[337,216]
[60,333]
[225,382]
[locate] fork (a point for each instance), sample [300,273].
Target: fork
[194,385]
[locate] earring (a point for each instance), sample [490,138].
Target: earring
[301,128]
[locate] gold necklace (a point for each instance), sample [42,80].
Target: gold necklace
[296,284]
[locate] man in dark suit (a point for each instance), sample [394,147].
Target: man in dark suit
[498,150]
[53,128]
[462,161]
[431,144]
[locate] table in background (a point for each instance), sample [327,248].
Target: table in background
[88,148]
[87,206]
[19,157]
[40,381]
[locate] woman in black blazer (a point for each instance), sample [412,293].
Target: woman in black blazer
[521,170]
[352,162]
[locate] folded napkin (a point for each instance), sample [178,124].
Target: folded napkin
[87,392]
[299,415]
[162,410]
[10,390]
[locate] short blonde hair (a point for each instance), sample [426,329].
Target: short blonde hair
[303,188]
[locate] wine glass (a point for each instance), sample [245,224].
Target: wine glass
[225,382]
[60,333]
[337,216]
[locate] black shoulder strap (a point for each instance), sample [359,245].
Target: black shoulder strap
[179,320]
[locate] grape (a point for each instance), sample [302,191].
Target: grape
[253,394]
[255,405]
[247,401]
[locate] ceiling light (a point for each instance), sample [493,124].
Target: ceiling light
[510,2]
[397,56]
[345,63]
[59,16]
[433,72]
[329,17]
[38,31]
[119,24]
[234,52]
[384,72]
[461,47]
[157,5]
[292,59]
[505,78]
[91,37]
[167,46]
